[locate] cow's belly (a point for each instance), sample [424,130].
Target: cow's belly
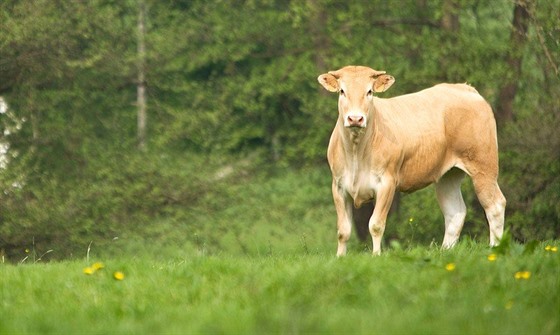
[423,168]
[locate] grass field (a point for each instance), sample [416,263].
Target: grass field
[417,291]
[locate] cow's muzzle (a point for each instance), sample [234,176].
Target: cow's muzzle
[355,121]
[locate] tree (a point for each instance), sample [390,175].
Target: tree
[518,40]
[68,78]
[141,85]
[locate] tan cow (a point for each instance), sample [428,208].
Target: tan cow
[380,146]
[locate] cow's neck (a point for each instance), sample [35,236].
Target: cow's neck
[357,145]
[354,137]
[358,141]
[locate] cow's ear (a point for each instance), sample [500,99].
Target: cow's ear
[383,82]
[329,82]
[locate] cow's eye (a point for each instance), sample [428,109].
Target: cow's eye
[342,92]
[369,93]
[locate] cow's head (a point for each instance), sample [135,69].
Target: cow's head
[355,85]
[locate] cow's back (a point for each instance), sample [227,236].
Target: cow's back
[432,105]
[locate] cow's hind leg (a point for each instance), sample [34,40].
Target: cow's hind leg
[494,203]
[448,191]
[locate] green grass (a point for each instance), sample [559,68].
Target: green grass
[399,292]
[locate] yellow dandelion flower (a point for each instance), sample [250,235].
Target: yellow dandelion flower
[118,275]
[522,275]
[548,247]
[554,249]
[89,270]
[450,267]
[98,266]
[492,257]
[26,250]
[411,219]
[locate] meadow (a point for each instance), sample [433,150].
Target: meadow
[422,290]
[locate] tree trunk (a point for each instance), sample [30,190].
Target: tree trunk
[518,39]
[450,17]
[321,41]
[141,85]
[450,46]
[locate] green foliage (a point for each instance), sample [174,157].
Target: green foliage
[399,292]
[530,166]
[232,87]
[207,205]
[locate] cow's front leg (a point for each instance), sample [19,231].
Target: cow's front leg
[383,201]
[343,205]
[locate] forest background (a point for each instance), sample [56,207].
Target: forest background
[170,127]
